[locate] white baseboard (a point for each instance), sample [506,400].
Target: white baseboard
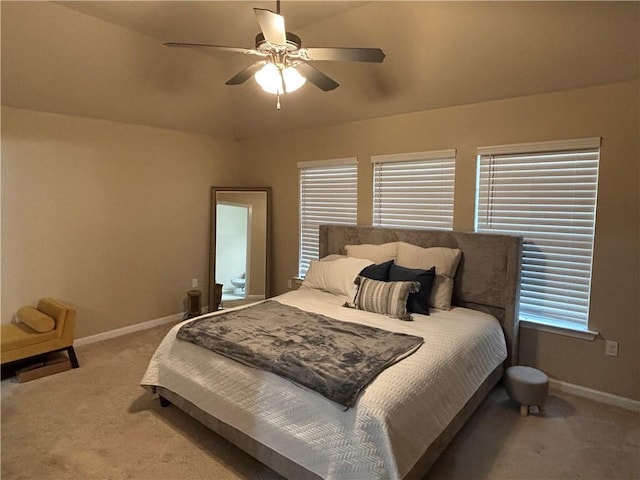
[597,395]
[118,332]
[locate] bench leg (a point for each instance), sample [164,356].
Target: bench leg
[72,357]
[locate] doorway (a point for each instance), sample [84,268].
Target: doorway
[233,237]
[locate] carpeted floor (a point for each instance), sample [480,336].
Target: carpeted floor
[96,422]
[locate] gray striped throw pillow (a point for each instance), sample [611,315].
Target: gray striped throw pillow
[386,298]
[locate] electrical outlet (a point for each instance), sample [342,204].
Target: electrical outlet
[194,283]
[289,283]
[611,348]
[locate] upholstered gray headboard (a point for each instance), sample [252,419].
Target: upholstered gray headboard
[488,277]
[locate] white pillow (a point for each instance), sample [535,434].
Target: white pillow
[445,260]
[376,253]
[336,276]
[331,257]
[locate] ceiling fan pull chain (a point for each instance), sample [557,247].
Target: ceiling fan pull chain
[278,100]
[278,7]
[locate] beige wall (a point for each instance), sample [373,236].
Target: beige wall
[112,218]
[611,112]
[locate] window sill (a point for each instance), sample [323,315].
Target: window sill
[560,330]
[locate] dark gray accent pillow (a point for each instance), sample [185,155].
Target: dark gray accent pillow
[377,272]
[417,302]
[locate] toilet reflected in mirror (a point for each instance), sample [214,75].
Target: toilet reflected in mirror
[238,286]
[240,244]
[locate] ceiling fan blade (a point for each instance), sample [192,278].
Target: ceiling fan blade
[374,55]
[316,77]
[245,74]
[272,26]
[247,51]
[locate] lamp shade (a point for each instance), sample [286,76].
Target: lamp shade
[271,80]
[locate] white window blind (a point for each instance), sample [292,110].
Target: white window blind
[414,190]
[328,195]
[546,193]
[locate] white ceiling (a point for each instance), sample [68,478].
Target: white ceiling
[106,59]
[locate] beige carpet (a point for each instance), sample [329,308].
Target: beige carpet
[96,422]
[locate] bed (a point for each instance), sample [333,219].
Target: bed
[406,417]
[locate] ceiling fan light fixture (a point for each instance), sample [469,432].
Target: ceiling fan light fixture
[270,79]
[292,79]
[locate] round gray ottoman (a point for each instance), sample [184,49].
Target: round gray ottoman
[527,386]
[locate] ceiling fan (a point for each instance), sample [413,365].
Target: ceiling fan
[283,64]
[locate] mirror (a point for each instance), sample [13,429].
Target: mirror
[240,245]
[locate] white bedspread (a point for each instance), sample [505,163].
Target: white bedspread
[396,417]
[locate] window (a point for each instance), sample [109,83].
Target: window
[547,193]
[328,195]
[414,190]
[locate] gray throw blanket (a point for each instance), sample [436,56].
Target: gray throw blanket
[336,359]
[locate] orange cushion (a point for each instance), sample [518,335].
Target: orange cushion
[18,335]
[37,320]
[54,309]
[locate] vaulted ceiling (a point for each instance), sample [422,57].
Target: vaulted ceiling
[106,60]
